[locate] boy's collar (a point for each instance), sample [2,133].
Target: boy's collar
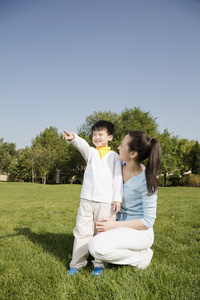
[103,151]
[102,148]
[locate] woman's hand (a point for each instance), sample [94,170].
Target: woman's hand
[105,224]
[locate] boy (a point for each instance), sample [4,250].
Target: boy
[101,193]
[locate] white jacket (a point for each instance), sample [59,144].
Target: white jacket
[103,177]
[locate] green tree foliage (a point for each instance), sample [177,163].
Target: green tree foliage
[49,151]
[195,154]
[136,119]
[169,145]
[7,153]
[20,167]
[183,155]
[193,180]
[47,139]
[46,160]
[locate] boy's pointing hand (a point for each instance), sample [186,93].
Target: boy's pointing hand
[68,136]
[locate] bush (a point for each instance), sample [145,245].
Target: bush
[172,180]
[184,179]
[193,180]
[161,180]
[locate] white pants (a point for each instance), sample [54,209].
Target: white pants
[88,213]
[123,246]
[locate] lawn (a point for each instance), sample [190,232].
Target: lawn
[36,224]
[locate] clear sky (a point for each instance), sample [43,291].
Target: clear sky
[61,60]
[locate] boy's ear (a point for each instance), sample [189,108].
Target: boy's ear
[110,137]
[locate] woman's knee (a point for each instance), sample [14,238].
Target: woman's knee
[92,246]
[96,247]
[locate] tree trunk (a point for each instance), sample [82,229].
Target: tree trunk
[165,179]
[32,174]
[45,178]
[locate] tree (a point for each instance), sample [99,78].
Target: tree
[183,155]
[7,153]
[48,139]
[46,161]
[20,167]
[138,120]
[49,152]
[195,154]
[44,153]
[13,170]
[169,146]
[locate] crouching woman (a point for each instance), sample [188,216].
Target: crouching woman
[128,240]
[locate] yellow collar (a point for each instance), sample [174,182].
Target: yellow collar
[103,151]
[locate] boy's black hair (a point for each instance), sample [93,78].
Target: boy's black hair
[102,124]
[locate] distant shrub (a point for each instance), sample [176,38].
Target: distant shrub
[184,180]
[176,181]
[193,180]
[173,180]
[169,182]
[161,180]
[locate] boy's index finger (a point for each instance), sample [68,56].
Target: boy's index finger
[66,134]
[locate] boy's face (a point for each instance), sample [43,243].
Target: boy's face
[100,138]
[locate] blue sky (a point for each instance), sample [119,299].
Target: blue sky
[62,60]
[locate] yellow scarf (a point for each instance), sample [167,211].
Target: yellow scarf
[103,151]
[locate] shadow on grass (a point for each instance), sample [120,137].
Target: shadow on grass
[60,245]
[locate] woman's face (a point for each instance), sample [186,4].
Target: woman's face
[124,151]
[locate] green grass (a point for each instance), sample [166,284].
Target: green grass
[36,224]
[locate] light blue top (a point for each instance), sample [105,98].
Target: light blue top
[136,203]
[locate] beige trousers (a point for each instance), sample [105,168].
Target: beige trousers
[88,213]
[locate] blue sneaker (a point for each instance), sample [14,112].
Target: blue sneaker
[97,272]
[72,271]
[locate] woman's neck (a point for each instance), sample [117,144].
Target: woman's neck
[131,169]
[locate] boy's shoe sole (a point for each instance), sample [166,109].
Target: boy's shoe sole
[72,271]
[97,272]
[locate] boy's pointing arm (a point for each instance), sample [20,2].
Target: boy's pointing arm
[68,136]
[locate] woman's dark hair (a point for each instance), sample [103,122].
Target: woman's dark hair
[102,124]
[147,148]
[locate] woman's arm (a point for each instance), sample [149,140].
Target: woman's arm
[108,224]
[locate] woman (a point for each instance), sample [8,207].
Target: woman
[128,241]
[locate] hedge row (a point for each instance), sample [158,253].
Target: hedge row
[187,180]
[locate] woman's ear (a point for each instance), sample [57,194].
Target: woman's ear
[134,154]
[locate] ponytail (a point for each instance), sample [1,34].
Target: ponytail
[153,165]
[147,148]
